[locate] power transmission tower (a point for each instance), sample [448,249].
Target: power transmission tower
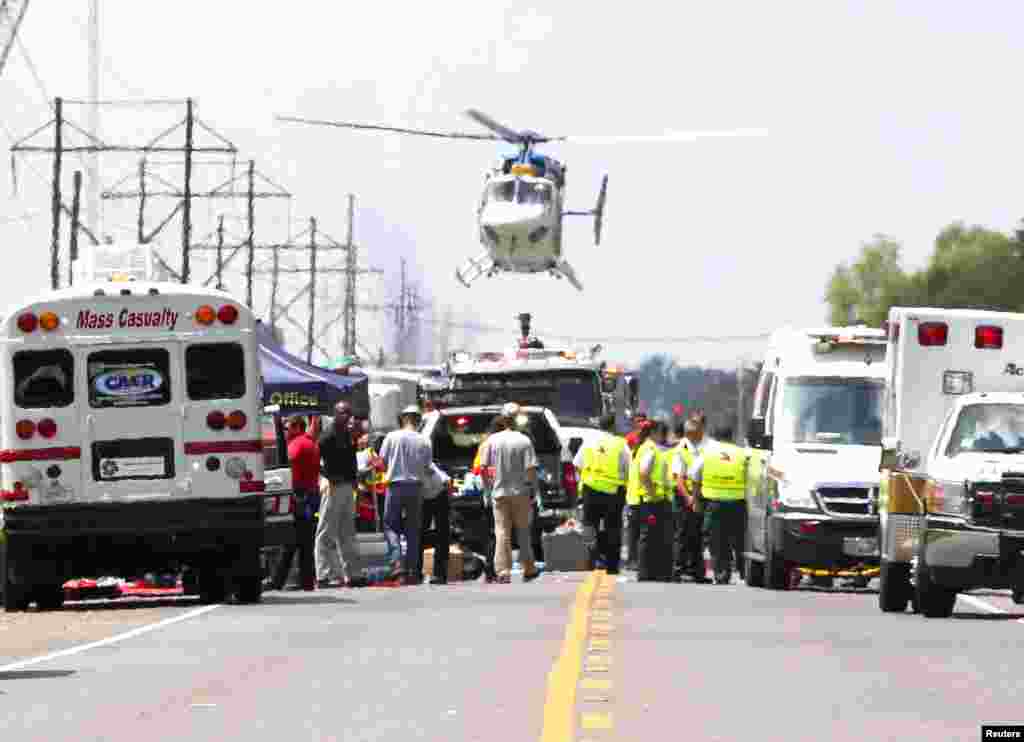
[350,337]
[94,145]
[317,244]
[152,185]
[12,13]
[407,310]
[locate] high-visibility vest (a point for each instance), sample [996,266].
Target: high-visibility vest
[664,482]
[601,465]
[637,491]
[724,476]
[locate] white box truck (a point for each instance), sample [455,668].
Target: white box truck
[813,466]
[952,500]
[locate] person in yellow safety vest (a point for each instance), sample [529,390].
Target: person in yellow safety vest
[690,555]
[720,476]
[647,494]
[603,466]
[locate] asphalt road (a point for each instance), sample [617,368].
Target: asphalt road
[475,662]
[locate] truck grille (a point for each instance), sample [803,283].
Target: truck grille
[846,500]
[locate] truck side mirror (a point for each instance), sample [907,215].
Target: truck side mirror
[891,458]
[756,435]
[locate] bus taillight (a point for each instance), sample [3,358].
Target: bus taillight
[227,314]
[28,322]
[49,321]
[25,429]
[18,494]
[47,428]
[237,420]
[216,420]
[205,315]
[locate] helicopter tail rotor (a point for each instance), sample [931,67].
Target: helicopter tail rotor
[599,210]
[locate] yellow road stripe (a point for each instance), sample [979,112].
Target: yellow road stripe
[560,706]
[596,721]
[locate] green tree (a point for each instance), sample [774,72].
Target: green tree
[865,289]
[972,267]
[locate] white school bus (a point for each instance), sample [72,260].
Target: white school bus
[130,439]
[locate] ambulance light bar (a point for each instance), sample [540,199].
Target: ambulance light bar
[957,382]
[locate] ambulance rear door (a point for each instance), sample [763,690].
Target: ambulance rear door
[944,353]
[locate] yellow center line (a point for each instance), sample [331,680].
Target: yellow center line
[560,705]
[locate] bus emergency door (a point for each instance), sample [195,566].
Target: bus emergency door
[133,405]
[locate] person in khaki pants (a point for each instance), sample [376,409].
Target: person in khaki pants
[510,470]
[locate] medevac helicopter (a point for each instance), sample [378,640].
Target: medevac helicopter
[521,208]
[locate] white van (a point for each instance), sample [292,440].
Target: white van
[130,439]
[813,466]
[952,504]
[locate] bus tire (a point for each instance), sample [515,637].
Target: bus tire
[16,598]
[212,585]
[249,590]
[49,597]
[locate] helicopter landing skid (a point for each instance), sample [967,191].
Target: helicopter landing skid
[474,268]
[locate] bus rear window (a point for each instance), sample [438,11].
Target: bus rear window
[215,371]
[44,378]
[129,378]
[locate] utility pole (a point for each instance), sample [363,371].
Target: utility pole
[220,253]
[310,340]
[58,149]
[250,241]
[349,338]
[186,210]
[92,202]
[73,246]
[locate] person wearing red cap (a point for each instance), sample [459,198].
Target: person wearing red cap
[633,441]
[633,437]
[648,496]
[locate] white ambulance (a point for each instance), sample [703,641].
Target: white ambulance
[130,439]
[952,503]
[813,464]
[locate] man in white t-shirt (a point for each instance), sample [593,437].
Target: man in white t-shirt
[510,470]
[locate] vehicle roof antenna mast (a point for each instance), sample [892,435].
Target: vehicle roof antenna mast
[524,327]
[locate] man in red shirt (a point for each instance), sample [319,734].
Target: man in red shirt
[304,457]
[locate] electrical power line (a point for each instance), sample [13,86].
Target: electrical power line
[667,340]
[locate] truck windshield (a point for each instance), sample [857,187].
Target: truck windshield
[574,396]
[991,428]
[832,410]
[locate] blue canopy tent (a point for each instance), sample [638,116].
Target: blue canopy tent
[298,387]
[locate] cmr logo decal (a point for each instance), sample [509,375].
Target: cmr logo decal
[129,382]
[1012,369]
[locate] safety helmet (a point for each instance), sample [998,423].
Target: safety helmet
[411,411]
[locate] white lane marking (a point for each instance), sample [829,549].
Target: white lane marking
[139,631]
[978,603]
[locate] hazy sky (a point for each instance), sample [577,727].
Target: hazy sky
[882,117]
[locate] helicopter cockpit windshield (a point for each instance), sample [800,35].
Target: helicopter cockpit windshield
[533,193]
[503,190]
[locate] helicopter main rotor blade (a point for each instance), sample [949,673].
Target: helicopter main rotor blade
[391,129]
[672,136]
[501,130]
